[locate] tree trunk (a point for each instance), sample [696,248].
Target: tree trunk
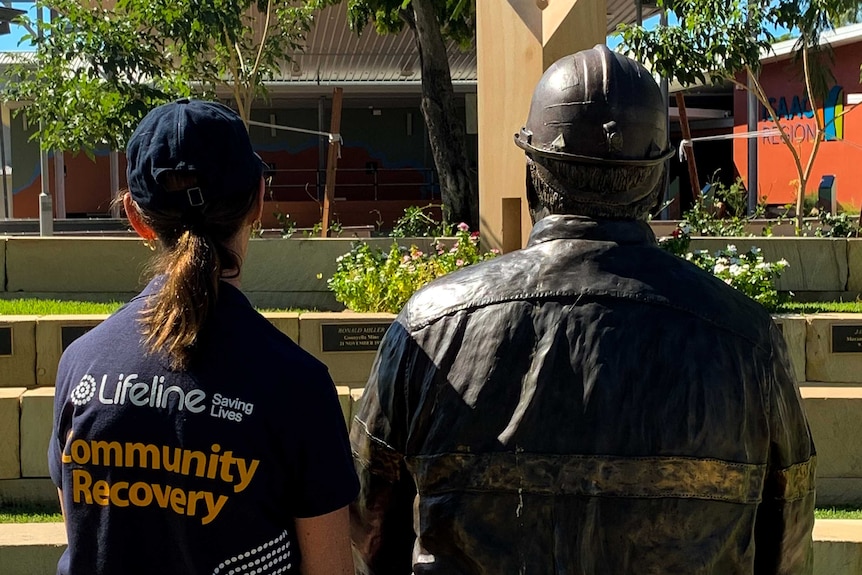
[445,129]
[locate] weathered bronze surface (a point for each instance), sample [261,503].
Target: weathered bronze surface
[591,404]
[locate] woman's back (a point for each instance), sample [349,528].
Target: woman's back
[190,435]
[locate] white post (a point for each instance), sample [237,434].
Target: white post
[46,208]
[115,183]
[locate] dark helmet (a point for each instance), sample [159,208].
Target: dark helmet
[597,107]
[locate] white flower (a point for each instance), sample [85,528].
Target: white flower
[735,270]
[755,250]
[718,268]
[731,248]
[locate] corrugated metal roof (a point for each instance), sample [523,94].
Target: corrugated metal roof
[336,54]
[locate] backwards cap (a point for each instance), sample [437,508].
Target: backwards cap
[195,137]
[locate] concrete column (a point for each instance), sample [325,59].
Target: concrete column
[5,162]
[114,158]
[516,41]
[60,184]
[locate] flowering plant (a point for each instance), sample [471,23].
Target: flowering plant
[373,280]
[746,271]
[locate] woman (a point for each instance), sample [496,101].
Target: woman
[190,436]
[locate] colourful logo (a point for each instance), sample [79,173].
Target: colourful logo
[833,115]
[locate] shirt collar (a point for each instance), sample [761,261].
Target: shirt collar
[228,295]
[566,227]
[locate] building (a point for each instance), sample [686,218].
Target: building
[840,152]
[385,164]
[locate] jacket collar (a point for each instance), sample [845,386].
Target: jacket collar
[565,227]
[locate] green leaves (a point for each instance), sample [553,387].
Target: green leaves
[97,70]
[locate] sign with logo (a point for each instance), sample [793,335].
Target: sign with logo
[796,117]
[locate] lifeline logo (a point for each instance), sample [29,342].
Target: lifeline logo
[139,393]
[155,394]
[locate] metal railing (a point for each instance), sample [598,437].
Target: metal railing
[356,184]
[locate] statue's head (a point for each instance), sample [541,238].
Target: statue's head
[596,138]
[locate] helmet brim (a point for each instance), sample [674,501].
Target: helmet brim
[577,158]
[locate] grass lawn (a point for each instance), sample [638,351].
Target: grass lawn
[31,514]
[821,307]
[43,515]
[838,513]
[31,306]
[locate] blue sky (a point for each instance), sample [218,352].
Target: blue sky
[10,41]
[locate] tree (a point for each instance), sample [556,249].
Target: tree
[717,41]
[431,21]
[98,68]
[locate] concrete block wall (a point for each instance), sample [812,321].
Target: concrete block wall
[113,268]
[10,436]
[346,342]
[18,358]
[815,264]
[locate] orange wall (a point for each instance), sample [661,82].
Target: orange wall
[88,186]
[843,159]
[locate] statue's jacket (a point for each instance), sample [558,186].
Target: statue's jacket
[588,405]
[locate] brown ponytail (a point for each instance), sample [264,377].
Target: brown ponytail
[193,258]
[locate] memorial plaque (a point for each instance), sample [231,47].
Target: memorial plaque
[69,333]
[5,340]
[847,339]
[352,336]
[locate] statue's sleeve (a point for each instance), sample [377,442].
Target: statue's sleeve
[382,516]
[785,516]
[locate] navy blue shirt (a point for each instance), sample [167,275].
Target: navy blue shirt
[195,472]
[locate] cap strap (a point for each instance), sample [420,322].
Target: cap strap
[196,197]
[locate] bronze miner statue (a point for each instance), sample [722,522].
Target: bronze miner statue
[590,404]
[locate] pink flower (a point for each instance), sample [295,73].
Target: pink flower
[495,251]
[462,227]
[474,235]
[459,262]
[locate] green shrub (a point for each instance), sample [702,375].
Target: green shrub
[745,271]
[372,280]
[748,272]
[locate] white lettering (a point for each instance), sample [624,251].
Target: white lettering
[102,397]
[129,389]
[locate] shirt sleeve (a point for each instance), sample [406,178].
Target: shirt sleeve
[381,519]
[327,480]
[785,516]
[62,424]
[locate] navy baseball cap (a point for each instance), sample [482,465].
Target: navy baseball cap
[197,137]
